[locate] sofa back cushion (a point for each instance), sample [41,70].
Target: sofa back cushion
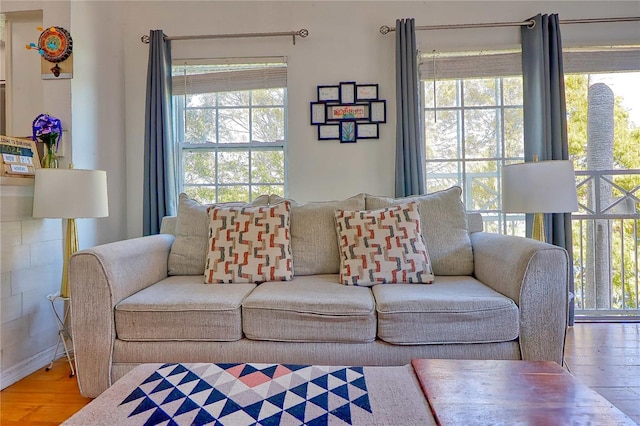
[189,249]
[444,228]
[313,234]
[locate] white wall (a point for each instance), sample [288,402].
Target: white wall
[25,86]
[106,98]
[50,96]
[31,261]
[30,269]
[99,111]
[344,45]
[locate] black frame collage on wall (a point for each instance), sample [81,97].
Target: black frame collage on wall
[348,112]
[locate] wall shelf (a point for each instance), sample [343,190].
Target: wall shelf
[16,181]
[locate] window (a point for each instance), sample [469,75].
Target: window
[472,110]
[230,128]
[603,124]
[473,125]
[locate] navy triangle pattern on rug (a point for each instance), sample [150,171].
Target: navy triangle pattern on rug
[245,394]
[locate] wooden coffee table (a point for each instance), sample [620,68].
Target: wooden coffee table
[511,392]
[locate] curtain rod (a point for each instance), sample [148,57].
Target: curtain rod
[300,33]
[530,23]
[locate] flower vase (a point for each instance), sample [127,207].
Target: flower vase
[49,159]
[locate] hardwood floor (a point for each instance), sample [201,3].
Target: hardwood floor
[42,399]
[605,357]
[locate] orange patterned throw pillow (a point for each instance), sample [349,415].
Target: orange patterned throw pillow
[249,244]
[382,246]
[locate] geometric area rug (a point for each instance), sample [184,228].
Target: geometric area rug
[259,394]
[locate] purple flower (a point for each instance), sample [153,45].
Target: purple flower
[47,129]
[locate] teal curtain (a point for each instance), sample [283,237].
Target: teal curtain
[159,197]
[410,157]
[545,117]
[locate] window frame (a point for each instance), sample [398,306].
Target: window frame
[217,147]
[464,161]
[460,66]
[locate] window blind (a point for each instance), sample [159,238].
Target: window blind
[189,78]
[479,65]
[615,60]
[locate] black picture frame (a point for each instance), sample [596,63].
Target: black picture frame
[355,112]
[327,132]
[348,92]
[328,93]
[366,92]
[348,131]
[367,131]
[378,111]
[318,113]
[348,111]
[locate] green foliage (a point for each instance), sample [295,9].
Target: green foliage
[626,148]
[199,167]
[472,117]
[480,119]
[576,92]
[626,155]
[267,166]
[219,172]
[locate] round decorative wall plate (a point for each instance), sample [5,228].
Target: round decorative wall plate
[55,44]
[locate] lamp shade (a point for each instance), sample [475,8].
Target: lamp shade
[70,193]
[539,187]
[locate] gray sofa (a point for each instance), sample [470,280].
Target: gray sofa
[143,300]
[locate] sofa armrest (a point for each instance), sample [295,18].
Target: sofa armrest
[536,276]
[99,278]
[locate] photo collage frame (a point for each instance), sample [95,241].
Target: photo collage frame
[348,112]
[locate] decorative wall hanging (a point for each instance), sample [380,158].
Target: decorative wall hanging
[19,157]
[55,46]
[348,112]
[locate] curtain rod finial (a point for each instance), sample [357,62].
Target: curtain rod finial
[303,32]
[385,29]
[145,39]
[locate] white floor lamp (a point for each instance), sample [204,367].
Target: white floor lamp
[70,194]
[538,188]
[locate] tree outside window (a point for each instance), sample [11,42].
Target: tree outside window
[231,142]
[473,126]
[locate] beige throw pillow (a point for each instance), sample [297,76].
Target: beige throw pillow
[444,228]
[382,246]
[249,244]
[189,249]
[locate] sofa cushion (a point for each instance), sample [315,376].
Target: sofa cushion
[451,310]
[310,309]
[444,228]
[382,246]
[189,250]
[249,244]
[182,308]
[313,234]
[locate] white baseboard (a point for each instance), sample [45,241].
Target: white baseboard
[21,370]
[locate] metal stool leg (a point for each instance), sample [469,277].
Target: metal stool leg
[63,332]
